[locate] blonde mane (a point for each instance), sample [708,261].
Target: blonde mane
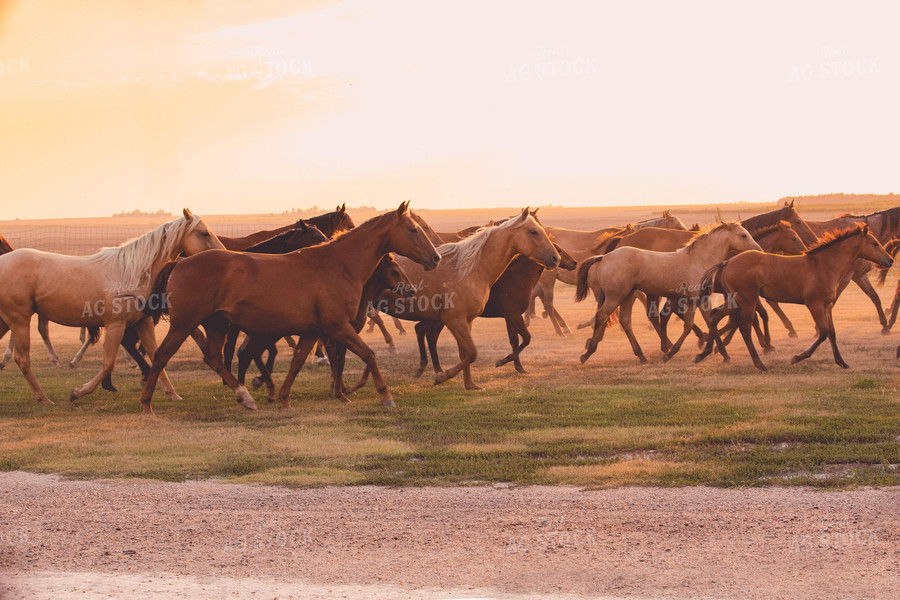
[466,252]
[132,261]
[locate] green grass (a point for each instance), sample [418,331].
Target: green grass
[610,422]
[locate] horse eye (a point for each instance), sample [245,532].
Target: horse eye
[412,230]
[533,232]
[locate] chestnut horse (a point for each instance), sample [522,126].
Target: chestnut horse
[318,292]
[509,299]
[457,291]
[813,279]
[109,288]
[884,225]
[614,276]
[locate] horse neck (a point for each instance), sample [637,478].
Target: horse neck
[360,249]
[888,224]
[494,257]
[802,228]
[714,247]
[837,259]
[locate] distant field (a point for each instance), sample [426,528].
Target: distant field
[609,422]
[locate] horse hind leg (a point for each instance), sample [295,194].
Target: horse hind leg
[21,354]
[114,333]
[8,354]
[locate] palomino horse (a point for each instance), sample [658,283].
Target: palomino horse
[43,325]
[457,291]
[109,288]
[614,276]
[337,220]
[509,298]
[318,292]
[884,225]
[813,279]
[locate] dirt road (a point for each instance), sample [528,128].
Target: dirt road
[91,539]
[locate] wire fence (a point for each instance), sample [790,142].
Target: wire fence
[82,241]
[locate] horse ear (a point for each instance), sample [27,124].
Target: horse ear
[791,204]
[534,212]
[524,214]
[344,207]
[187,214]
[865,229]
[404,208]
[303,226]
[667,214]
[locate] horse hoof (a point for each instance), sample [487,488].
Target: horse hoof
[768,349]
[387,402]
[322,362]
[73,396]
[699,358]
[666,358]
[792,334]
[393,350]
[256,383]
[844,365]
[795,360]
[109,387]
[521,370]
[762,369]
[440,378]
[886,331]
[474,388]
[46,401]
[583,358]
[419,372]
[72,365]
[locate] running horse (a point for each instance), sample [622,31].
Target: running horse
[615,276]
[457,291]
[813,278]
[110,288]
[318,295]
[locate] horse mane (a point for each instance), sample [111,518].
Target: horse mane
[767,229]
[132,260]
[754,224]
[834,237]
[702,236]
[467,251]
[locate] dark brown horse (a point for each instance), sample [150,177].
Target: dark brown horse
[329,223]
[318,292]
[509,299]
[813,279]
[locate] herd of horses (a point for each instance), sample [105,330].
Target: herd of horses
[320,279]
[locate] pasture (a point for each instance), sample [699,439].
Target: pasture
[609,422]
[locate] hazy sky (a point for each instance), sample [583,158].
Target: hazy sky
[234,106]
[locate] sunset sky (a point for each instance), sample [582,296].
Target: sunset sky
[229,106]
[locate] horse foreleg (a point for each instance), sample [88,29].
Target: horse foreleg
[516,328]
[232,332]
[604,311]
[625,321]
[376,318]
[832,337]
[819,315]
[689,313]
[44,329]
[461,329]
[748,313]
[862,280]
[215,341]
[421,328]
[714,335]
[301,352]
[175,337]
[337,357]
[252,349]
[145,332]
[761,326]
[114,333]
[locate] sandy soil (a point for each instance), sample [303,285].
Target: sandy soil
[91,539]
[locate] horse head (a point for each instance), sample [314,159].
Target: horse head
[197,237]
[530,239]
[408,239]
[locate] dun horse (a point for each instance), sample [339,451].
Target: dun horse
[456,292]
[318,295]
[614,276]
[109,288]
[813,279]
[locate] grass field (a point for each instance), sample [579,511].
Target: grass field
[609,422]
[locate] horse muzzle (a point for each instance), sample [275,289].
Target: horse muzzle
[431,263]
[551,262]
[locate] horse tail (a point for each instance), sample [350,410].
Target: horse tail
[160,306]
[93,334]
[581,285]
[708,283]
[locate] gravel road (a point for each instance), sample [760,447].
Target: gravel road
[92,539]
